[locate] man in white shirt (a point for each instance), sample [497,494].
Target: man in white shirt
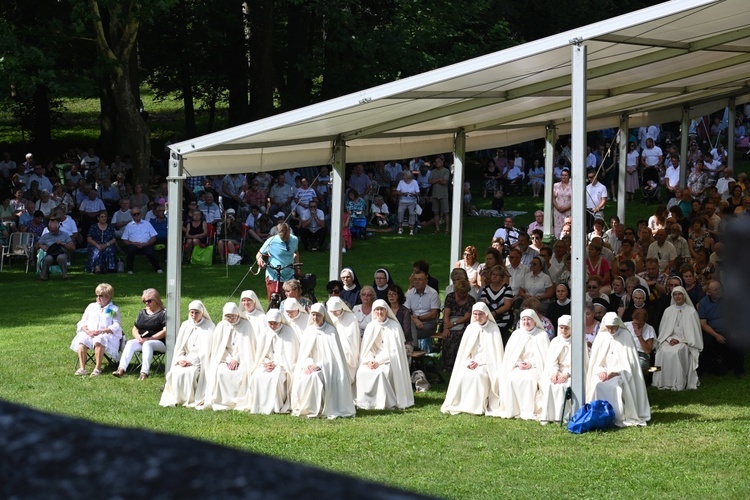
[680,244]
[424,303]
[652,156]
[516,270]
[38,175]
[672,176]
[596,199]
[312,229]
[122,217]
[281,196]
[139,237]
[722,185]
[508,233]
[662,250]
[211,211]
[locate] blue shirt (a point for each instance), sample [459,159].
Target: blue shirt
[711,312]
[280,253]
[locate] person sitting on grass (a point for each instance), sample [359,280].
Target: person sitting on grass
[383,379]
[474,386]
[99,329]
[186,380]
[614,374]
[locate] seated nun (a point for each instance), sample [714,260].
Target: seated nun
[475,382]
[558,367]
[614,373]
[295,315]
[252,310]
[271,382]
[347,327]
[680,342]
[383,379]
[523,368]
[232,360]
[321,385]
[185,383]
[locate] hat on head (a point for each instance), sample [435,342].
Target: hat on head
[280,215]
[231,212]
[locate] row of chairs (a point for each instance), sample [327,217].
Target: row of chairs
[158,363]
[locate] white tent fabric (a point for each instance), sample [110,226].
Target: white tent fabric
[649,65]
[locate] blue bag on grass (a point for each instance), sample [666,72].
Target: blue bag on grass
[597,414]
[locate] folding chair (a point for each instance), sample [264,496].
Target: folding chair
[19,245]
[91,356]
[158,363]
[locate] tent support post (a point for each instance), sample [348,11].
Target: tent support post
[578,215]
[622,166]
[549,181]
[459,164]
[337,212]
[684,129]
[174,252]
[730,134]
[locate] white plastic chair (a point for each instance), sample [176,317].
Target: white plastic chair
[19,245]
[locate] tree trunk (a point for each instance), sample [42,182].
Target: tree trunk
[237,64]
[42,131]
[297,88]
[191,130]
[261,19]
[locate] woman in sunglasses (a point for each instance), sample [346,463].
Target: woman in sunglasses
[149,332]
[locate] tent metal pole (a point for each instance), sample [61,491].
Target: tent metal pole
[174,252]
[622,166]
[730,133]
[549,181]
[459,165]
[684,129]
[337,208]
[578,215]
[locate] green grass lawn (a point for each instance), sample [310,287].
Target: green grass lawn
[696,446]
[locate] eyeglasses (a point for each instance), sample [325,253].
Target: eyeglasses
[135,213]
[98,296]
[591,287]
[147,301]
[623,270]
[535,238]
[335,291]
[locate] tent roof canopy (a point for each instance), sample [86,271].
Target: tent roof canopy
[651,64]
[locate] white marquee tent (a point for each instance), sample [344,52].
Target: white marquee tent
[670,62]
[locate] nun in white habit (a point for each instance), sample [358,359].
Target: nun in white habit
[295,315]
[614,373]
[475,382]
[558,371]
[232,360]
[523,368]
[679,344]
[347,327]
[271,381]
[185,383]
[252,310]
[383,378]
[321,385]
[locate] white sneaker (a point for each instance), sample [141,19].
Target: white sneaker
[343,250]
[411,232]
[159,271]
[401,230]
[130,272]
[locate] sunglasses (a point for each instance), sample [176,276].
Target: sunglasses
[148,301]
[100,296]
[591,287]
[135,213]
[623,270]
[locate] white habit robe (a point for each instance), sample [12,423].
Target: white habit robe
[476,391]
[350,336]
[186,385]
[257,320]
[679,362]
[625,392]
[270,391]
[328,391]
[298,323]
[230,342]
[558,362]
[389,385]
[521,392]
